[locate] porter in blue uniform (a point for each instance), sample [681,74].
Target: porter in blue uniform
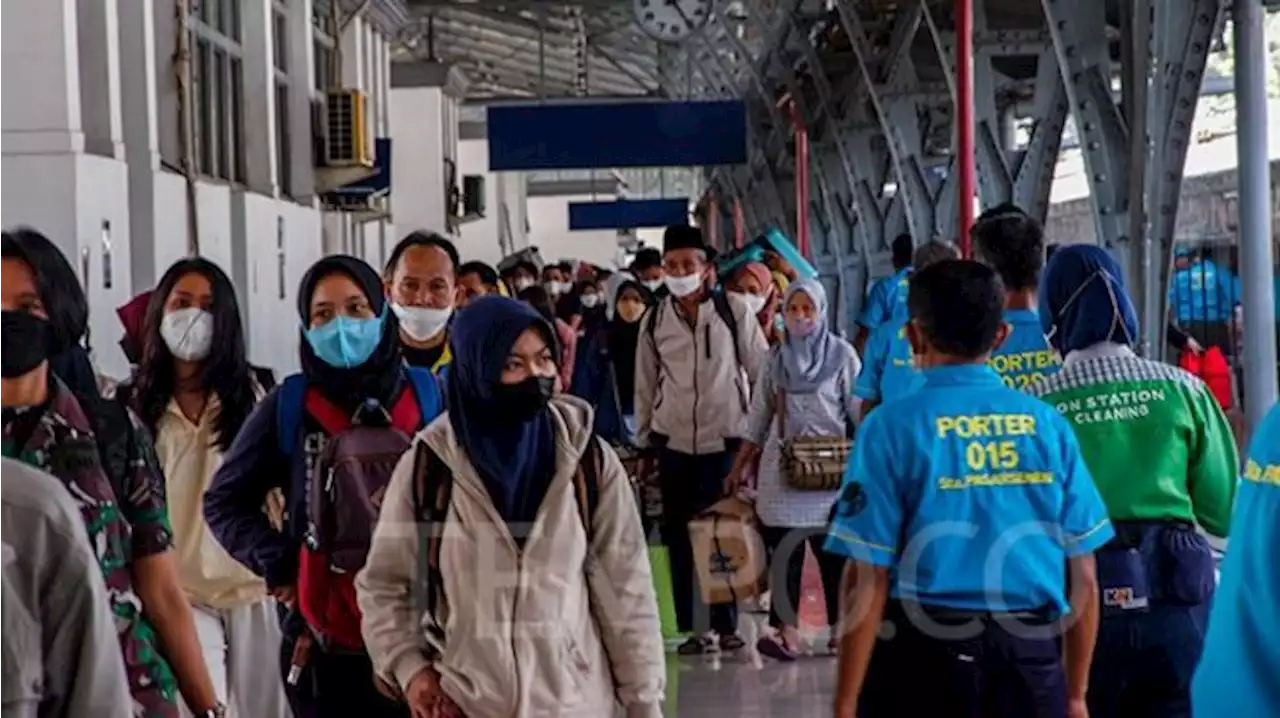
[1239,673]
[1009,241]
[887,372]
[963,507]
[887,298]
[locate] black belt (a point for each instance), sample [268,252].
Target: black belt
[942,614]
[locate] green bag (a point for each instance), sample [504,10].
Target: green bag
[660,566]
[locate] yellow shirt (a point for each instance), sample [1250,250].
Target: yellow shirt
[189,456]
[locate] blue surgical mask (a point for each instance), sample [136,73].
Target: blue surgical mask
[346,342]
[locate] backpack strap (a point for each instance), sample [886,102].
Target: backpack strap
[290,396]
[426,388]
[113,434]
[432,492]
[720,301]
[586,484]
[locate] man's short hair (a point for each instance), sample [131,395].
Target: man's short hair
[932,252]
[647,258]
[1011,242]
[422,238]
[901,250]
[488,275]
[958,304]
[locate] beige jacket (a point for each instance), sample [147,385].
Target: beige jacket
[566,627]
[690,388]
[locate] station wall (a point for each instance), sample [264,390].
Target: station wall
[91,143]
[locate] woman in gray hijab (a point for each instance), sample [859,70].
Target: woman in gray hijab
[810,378]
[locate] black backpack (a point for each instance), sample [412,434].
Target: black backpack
[725,312]
[433,480]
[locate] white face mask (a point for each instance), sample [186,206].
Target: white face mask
[421,323]
[652,285]
[188,333]
[684,286]
[591,301]
[523,283]
[755,302]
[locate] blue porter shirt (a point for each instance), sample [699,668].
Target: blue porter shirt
[887,299]
[972,493]
[887,372]
[1239,672]
[1024,357]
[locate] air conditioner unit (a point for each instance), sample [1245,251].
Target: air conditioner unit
[346,135]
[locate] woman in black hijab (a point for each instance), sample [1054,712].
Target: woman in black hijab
[350,356]
[349,348]
[607,376]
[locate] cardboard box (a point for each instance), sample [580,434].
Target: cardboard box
[728,552]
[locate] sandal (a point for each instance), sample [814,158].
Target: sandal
[731,642]
[697,646]
[775,648]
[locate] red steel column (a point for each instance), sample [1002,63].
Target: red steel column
[802,181]
[964,120]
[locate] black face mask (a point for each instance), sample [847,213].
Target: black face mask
[27,339]
[524,400]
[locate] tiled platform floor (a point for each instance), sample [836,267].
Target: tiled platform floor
[738,687]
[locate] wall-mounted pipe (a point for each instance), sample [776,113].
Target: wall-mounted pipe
[340,25]
[186,121]
[965,148]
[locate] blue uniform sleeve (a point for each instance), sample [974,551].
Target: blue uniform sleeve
[869,514]
[875,354]
[1085,526]
[873,312]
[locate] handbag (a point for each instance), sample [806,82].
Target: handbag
[810,463]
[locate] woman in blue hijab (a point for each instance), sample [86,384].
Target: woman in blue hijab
[1083,300]
[541,562]
[810,377]
[1164,460]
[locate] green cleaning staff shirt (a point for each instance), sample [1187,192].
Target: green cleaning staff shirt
[1154,438]
[974,494]
[1239,673]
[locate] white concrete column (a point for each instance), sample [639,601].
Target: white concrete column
[424,131]
[40,74]
[141,140]
[302,81]
[258,43]
[98,35]
[417,158]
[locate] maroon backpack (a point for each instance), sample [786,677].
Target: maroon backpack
[346,482]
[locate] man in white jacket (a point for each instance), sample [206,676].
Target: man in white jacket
[698,355]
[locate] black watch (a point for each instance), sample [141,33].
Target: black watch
[218,711]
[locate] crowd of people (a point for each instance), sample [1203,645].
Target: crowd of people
[444,513]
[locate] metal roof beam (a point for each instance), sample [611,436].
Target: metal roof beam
[481,51]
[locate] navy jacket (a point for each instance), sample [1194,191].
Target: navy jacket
[251,468]
[594,381]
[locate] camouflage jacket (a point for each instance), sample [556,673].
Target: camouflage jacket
[124,523]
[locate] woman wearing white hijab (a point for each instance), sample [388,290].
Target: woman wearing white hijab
[813,371]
